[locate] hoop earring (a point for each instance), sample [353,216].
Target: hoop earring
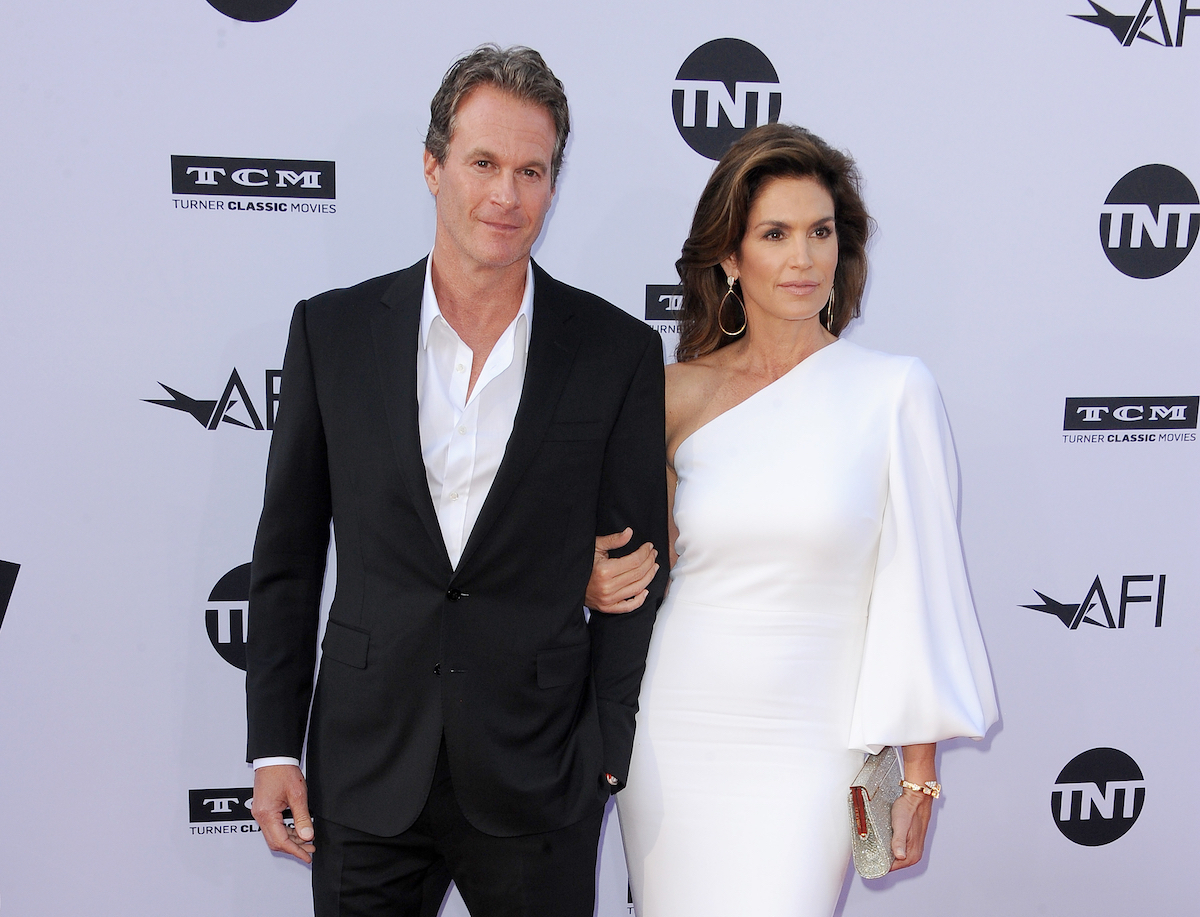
[721,308]
[829,312]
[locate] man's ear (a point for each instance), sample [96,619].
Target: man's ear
[433,170]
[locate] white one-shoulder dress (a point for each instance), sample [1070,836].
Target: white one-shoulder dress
[819,609]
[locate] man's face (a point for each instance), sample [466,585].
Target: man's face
[494,189]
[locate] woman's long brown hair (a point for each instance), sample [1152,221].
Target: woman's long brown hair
[767,152]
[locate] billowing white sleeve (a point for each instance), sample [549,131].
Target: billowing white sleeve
[925,674]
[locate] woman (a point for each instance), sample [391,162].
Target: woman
[818,605]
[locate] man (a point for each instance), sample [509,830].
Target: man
[469,425]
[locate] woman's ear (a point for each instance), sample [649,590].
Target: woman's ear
[730,266]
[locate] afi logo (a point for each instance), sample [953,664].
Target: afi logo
[1098,796]
[226,618]
[8,581]
[1095,608]
[1149,221]
[724,88]
[1153,27]
[233,407]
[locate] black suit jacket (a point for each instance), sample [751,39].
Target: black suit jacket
[535,704]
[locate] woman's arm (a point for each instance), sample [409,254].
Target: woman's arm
[911,812]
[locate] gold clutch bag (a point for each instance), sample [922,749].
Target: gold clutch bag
[872,793]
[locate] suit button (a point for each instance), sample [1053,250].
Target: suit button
[454,595]
[437,669]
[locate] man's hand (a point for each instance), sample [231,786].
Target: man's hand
[618,584]
[279,787]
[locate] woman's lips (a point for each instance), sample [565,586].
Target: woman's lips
[800,288]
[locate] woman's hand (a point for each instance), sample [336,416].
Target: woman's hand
[618,584]
[910,821]
[911,812]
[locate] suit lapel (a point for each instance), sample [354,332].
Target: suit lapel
[552,345]
[395,327]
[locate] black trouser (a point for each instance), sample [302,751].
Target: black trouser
[356,874]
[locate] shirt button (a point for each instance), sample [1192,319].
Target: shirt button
[437,669]
[454,496]
[462,429]
[460,368]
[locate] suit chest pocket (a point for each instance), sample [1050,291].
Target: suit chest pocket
[574,431]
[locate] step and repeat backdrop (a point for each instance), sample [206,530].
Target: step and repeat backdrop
[176,176]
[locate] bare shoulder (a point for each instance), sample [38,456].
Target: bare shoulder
[690,387]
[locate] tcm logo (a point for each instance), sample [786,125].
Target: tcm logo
[724,88]
[8,580]
[233,407]
[252,177]
[220,805]
[1154,27]
[1149,221]
[663,302]
[1177,412]
[224,811]
[1098,796]
[1141,589]
[252,10]
[226,615]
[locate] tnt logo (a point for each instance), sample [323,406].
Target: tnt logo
[225,615]
[1097,797]
[1149,221]
[252,10]
[724,88]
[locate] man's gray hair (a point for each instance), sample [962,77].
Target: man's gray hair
[520,72]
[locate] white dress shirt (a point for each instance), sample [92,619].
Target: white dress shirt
[463,437]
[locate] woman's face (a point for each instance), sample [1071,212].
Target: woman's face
[789,253]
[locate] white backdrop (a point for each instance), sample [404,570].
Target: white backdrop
[990,137]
